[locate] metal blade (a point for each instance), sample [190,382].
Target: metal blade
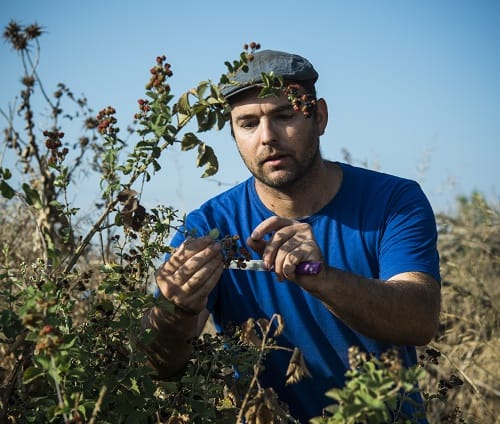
[304,268]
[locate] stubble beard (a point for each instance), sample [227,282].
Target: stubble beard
[294,175]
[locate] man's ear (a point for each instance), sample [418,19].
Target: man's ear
[321,115]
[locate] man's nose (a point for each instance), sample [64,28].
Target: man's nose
[267,131]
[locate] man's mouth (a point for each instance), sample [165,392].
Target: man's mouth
[275,160]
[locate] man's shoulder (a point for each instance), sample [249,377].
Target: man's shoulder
[372,176]
[368,182]
[374,193]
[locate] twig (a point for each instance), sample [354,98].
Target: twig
[97,406]
[84,243]
[467,379]
[53,374]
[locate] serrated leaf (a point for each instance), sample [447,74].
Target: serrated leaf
[183,106]
[182,119]
[207,158]
[206,120]
[221,119]
[202,88]
[189,141]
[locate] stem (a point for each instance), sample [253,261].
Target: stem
[86,240]
[53,374]
[254,381]
[97,406]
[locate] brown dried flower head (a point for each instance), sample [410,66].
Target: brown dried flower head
[297,368]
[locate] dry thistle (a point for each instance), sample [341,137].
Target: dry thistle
[297,368]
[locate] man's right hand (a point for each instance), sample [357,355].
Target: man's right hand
[190,274]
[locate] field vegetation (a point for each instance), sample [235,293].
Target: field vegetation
[74,286]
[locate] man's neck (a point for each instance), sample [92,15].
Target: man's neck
[305,197]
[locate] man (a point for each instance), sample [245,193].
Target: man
[374,234]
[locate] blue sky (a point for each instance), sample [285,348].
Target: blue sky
[413,87]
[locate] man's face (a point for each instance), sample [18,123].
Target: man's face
[278,145]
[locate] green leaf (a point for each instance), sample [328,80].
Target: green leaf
[56,204]
[189,141]
[32,196]
[221,119]
[373,403]
[7,191]
[206,120]
[5,173]
[207,158]
[32,373]
[214,233]
[183,104]
[134,386]
[202,88]
[156,165]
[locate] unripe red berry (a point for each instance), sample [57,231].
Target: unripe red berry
[47,329]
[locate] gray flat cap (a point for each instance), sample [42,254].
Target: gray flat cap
[290,67]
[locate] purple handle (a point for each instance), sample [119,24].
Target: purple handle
[308,268]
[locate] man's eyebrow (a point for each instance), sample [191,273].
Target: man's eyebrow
[278,109]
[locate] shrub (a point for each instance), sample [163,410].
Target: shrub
[73,289]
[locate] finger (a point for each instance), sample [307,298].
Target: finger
[199,260]
[190,247]
[183,264]
[192,293]
[290,263]
[270,225]
[186,251]
[265,248]
[278,249]
[257,245]
[279,246]
[204,279]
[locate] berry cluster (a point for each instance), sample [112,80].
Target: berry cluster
[53,143]
[431,356]
[48,340]
[300,99]
[252,47]
[159,74]
[144,107]
[233,252]
[106,121]
[450,383]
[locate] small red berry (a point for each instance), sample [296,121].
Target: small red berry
[47,329]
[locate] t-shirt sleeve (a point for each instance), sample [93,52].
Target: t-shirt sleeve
[409,240]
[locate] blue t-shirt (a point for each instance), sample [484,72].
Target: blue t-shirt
[376,226]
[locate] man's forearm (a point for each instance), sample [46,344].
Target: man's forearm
[173,333]
[403,310]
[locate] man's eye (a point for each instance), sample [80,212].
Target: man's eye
[249,124]
[285,116]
